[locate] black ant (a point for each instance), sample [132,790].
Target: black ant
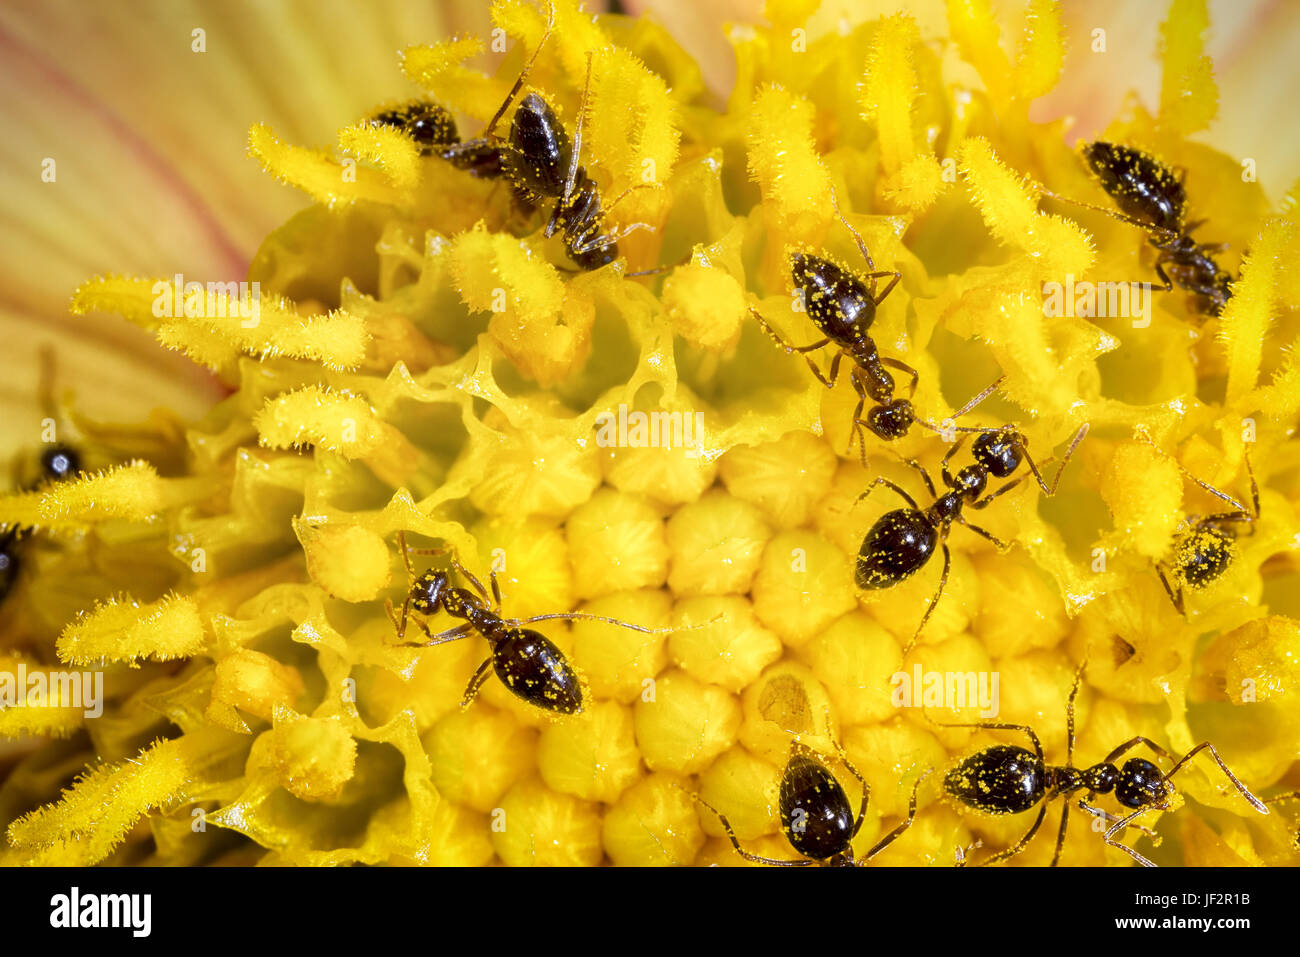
[58,462]
[1006,779]
[526,661]
[816,815]
[1205,548]
[540,163]
[431,126]
[843,306]
[902,541]
[1153,198]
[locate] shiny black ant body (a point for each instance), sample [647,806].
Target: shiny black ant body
[816,815]
[1007,779]
[1205,548]
[902,541]
[541,164]
[1153,198]
[843,306]
[527,662]
[431,126]
[58,462]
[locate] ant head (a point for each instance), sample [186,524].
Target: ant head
[429,591]
[891,419]
[59,462]
[1000,452]
[970,482]
[1141,784]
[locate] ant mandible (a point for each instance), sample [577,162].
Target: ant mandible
[528,663]
[902,541]
[1007,779]
[1204,549]
[1154,199]
[816,815]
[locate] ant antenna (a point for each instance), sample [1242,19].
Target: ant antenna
[519,83]
[1123,218]
[1144,436]
[989,390]
[1074,444]
[862,248]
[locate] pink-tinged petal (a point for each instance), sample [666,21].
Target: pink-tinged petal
[148,138]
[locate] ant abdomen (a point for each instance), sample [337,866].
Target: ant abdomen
[532,667]
[538,159]
[897,546]
[1002,779]
[815,812]
[1141,185]
[839,303]
[1203,554]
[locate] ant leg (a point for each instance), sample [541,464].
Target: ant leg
[996,726]
[890,288]
[1174,596]
[881,480]
[392,615]
[442,637]
[903,367]
[858,421]
[1144,226]
[998,543]
[943,580]
[791,348]
[1060,834]
[583,616]
[496,590]
[1164,277]
[1069,715]
[897,832]
[963,853]
[1111,818]
[1205,745]
[519,83]
[1143,436]
[857,237]
[929,483]
[1019,845]
[752,858]
[947,457]
[476,683]
[1133,743]
[1109,836]
[1079,436]
[988,390]
[571,178]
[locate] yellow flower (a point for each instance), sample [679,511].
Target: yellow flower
[417,359]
